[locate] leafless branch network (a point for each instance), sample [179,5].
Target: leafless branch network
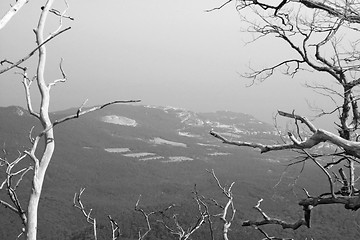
[77,203]
[115,229]
[12,180]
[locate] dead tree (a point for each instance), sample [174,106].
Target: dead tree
[40,159]
[77,203]
[170,221]
[226,210]
[226,214]
[323,37]
[173,226]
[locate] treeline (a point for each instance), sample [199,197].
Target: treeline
[328,223]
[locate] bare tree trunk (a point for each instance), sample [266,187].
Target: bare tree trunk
[40,166]
[40,160]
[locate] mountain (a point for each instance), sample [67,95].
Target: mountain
[160,153]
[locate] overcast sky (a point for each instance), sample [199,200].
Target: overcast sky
[169,53]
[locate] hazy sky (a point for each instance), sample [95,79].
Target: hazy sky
[163,52]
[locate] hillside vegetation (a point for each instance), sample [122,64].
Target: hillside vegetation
[161,158]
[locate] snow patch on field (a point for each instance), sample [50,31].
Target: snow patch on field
[218,154]
[138,155]
[19,111]
[117,150]
[120,120]
[190,119]
[207,145]
[161,141]
[187,134]
[151,158]
[178,159]
[269,160]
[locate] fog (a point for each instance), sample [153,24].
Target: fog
[169,53]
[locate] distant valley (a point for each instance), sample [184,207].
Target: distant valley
[160,153]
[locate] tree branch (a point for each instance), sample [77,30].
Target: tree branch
[146,217]
[350,147]
[11,188]
[33,51]
[220,7]
[116,233]
[228,206]
[12,11]
[77,203]
[268,220]
[80,112]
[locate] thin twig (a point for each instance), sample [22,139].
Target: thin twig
[33,51]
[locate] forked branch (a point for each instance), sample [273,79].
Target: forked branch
[342,10]
[32,52]
[176,228]
[10,185]
[77,203]
[228,209]
[268,220]
[267,237]
[146,217]
[115,229]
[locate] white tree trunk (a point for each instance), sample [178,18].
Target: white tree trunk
[42,164]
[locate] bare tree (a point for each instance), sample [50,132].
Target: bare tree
[204,214]
[207,212]
[77,203]
[40,158]
[226,210]
[175,228]
[323,38]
